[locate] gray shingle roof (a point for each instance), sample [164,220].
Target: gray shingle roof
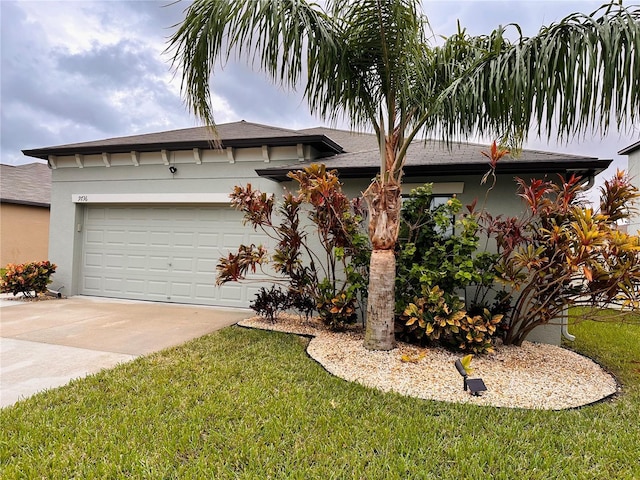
[433,151]
[28,184]
[353,154]
[432,157]
[236,134]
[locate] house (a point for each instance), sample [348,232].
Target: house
[25,192]
[147,216]
[633,152]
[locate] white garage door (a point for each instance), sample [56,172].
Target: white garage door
[163,253]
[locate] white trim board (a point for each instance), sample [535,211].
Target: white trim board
[150,198]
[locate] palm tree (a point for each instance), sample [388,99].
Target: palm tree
[371,61]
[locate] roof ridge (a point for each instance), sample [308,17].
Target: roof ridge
[351,132]
[270,127]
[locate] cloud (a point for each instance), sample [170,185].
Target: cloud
[78,71]
[118,65]
[57,89]
[252,96]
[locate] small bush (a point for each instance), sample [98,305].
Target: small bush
[270,303]
[438,318]
[304,304]
[337,311]
[30,279]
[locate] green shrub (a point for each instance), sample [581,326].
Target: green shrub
[437,317]
[437,260]
[434,248]
[336,311]
[30,279]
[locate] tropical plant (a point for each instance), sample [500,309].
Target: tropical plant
[437,261]
[563,253]
[29,279]
[370,61]
[437,247]
[270,303]
[332,279]
[440,318]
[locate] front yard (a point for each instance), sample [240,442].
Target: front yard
[250,404]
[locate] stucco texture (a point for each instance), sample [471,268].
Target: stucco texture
[24,233]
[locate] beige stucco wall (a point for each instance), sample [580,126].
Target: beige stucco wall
[24,233]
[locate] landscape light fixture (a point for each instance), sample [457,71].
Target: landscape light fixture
[173,169]
[474,385]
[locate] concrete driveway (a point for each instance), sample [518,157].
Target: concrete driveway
[45,344]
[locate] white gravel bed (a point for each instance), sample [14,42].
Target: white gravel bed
[533,376]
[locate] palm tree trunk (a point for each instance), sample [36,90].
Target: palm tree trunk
[384,202]
[381,301]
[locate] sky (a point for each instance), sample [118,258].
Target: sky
[75,71]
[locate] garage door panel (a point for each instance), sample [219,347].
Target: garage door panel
[96,214]
[252,290]
[137,238]
[206,265]
[158,264]
[207,241]
[232,241]
[116,213]
[93,260]
[182,265]
[157,287]
[204,292]
[162,254]
[134,286]
[184,239]
[92,284]
[137,262]
[112,284]
[159,239]
[115,260]
[115,237]
[181,291]
[232,293]
[94,237]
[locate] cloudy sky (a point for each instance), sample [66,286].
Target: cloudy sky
[74,71]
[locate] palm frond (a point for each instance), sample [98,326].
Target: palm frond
[570,79]
[277,35]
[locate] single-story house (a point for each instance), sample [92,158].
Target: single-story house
[25,193]
[147,216]
[633,170]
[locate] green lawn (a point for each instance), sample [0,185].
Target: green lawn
[251,404]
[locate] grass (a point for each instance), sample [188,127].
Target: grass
[252,405]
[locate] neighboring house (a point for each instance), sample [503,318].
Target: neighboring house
[25,193]
[633,169]
[147,216]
